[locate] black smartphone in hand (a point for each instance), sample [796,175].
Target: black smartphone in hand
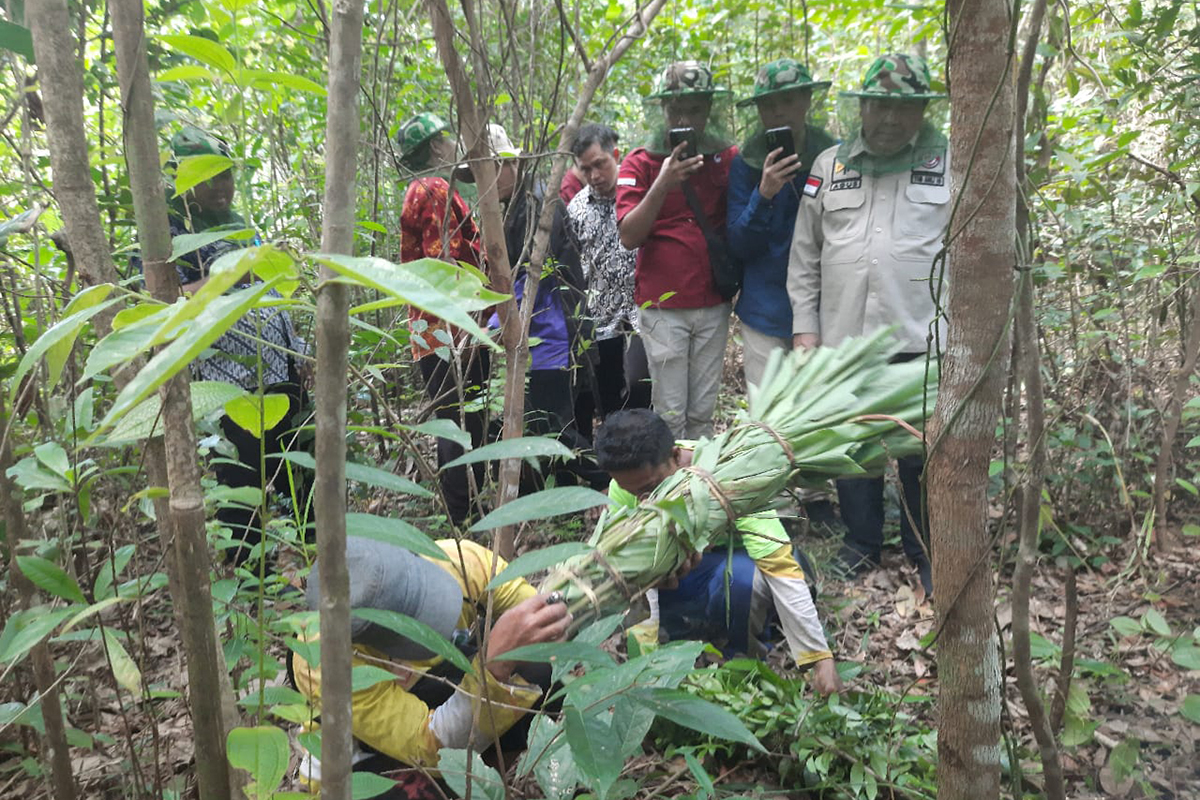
[677,135]
[781,137]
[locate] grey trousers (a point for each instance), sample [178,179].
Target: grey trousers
[685,348]
[756,349]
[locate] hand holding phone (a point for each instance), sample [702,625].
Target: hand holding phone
[675,136]
[781,138]
[779,170]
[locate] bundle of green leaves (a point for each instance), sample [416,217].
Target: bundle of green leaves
[820,414]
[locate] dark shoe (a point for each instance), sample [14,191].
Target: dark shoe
[820,512]
[856,563]
[925,573]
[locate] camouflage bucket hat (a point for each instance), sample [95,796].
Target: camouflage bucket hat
[191,141]
[684,78]
[418,130]
[899,77]
[783,75]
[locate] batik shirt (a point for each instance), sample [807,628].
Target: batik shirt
[428,230]
[608,267]
[234,355]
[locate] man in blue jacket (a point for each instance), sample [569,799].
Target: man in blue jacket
[765,187]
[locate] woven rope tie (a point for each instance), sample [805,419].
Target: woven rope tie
[622,587]
[774,434]
[717,491]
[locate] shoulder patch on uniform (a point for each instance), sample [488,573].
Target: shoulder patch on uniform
[626,181]
[812,186]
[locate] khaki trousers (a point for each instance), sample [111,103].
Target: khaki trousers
[685,349]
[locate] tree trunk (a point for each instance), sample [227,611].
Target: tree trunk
[186,502]
[962,433]
[333,342]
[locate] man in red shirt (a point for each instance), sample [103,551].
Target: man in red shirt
[684,321]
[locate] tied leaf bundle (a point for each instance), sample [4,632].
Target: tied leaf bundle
[819,414]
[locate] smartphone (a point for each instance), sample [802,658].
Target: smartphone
[781,137]
[677,135]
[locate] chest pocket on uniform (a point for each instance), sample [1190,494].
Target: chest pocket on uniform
[925,214]
[843,219]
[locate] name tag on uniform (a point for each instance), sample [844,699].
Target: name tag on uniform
[931,171]
[812,186]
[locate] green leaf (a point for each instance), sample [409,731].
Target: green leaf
[133,330]
[561,653]
[124,669]
[206,51]
[17,39]
[110,570]
[698,714]
[1186,656]
[1126,626]
[270,80]
[257,414]
[537,560]
[485,782]
[1191,708]
[594,747]
[194,170]
[364,676]
[1191,530]
[448,291]
[523,447]
[219,316]
[144,420]
[372,476]
[59,352]
[25,629]
[443,429]
[92,610]
[364,785]
[264,752]
[393,531]
[1123,759]
[186,72]
[1154,620]
[62,333]
[418,632]
[29,474]
[540,505]
[49,577]
[54,458]
[186,243]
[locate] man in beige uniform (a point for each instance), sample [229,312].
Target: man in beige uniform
[865,255]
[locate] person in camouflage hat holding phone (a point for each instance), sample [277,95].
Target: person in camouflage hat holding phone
[684,318]
[866,255]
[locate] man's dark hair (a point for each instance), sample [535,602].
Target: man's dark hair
[593,133]
[631,439]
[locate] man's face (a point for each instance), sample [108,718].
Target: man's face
[214,195]
[688,111]
[442,149]
[888,125]
[598,168]
[641,481]
[785,109]
[506,178]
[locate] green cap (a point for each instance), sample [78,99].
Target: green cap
[898,77]
[191,141]
[783,75]
[685,78]
[418,130]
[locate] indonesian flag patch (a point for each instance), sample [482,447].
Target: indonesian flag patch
[812,186]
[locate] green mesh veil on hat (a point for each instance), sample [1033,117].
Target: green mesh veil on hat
[782,75]
[191,141]
[414,137]
[687,80]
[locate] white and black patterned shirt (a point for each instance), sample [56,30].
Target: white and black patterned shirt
[607,266]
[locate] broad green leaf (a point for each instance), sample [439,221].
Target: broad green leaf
[1191,708]
[55,458]
[111,569]
[186,72]
[186,243]
[194,170]
[133,329]
[540,505]
[594,747]
[144,420]
[560,653]
[1191,530]
[264,752]
[1155,621]
[418,632]
[50,577]
[29,474]
[256,414]
[218,317]
[17,39]
[537,560]
[59,352]
[372,476]
[269,80]
[271,263]
[64,331]
[364,676]
[444,290]
[523,447]
[92,610]
[443,429]
[393,531]
[550,759]
[25,629]
[1125,626]
[1123,759]
[124,669]
[693,712]
[206,51]
[485,782]
[364,785]
[225,273]
[1186,656]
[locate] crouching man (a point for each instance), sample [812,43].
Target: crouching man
[637,449]
[431,704]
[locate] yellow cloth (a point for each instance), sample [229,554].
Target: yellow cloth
[389,719]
